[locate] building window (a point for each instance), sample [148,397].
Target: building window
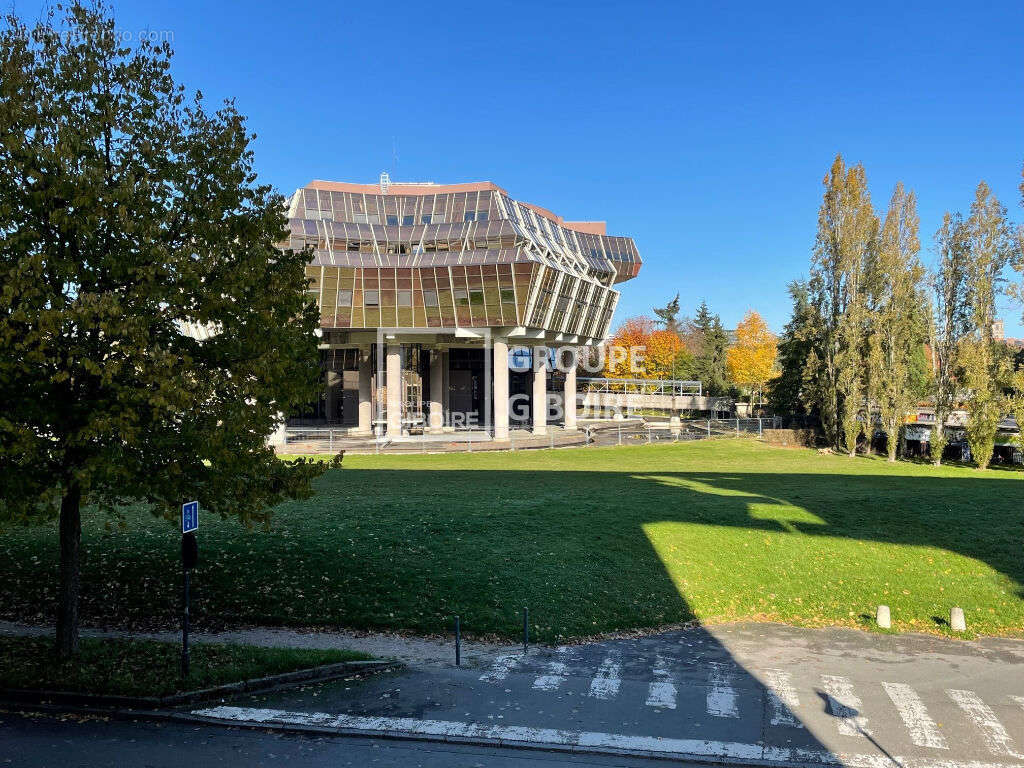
[508,296]
[461,297]
[470,216]
[430,298]
[405,298]
[481,215]
[476,298]
[425,219]
[371,298]
[344,298]
[407,221]
[392,219]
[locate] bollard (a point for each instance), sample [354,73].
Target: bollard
[526,628]
[883,618]
[957,622]
[709,427]
[620,435]
[458,643]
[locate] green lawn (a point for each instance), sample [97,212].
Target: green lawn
[591,539]
[146,668]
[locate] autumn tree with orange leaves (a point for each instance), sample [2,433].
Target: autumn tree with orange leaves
[751,360]
[647,352]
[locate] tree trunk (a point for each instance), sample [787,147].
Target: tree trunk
[70,571]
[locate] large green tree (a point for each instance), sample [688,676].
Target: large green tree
[897,327]
[127,214]
[786,391]
[835,372]
[709,359]
[668,316]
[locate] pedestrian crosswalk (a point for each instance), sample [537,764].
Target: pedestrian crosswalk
[995,733]
[786,704]
[923,730]
[662,691]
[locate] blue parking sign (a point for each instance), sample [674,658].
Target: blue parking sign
[189,516]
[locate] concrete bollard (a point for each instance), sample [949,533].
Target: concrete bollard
[883,618]
[957,622]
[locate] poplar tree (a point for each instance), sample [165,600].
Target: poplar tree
[897,327]
[951,322]
[834,375]
[127,214]
[990,243]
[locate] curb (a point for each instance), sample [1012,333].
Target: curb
[94,702]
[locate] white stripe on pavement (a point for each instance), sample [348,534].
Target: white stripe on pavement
[996,737]
[587,740]
[782,698]
[923,730]
[501,667]
[722,700]
[662,691]
[844,705]
[606,682]
[552,678]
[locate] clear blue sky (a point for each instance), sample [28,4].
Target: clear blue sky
[702,130]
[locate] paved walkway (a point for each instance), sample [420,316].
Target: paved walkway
[411,650]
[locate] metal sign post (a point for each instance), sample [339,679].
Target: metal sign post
[189,558]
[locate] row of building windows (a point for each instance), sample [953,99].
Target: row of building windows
[463,297]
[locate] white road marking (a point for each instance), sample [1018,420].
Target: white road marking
[606,682]
[553,677]
[782,698]
[723,700]
[501,667]
[586,740]
[996,737]
[923,730]
[662,691]
[844,705]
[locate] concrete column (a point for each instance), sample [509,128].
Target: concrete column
[569,398]
[540,391]
[500,369]
[394,394]
[365,393]
[436,390]
[446,393]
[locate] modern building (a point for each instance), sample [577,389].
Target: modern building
[425,288]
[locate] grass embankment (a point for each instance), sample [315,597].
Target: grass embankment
[592,540]
[147,668]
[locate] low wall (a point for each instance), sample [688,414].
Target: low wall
[808,438]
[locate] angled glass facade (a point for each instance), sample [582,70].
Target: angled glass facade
[455,256]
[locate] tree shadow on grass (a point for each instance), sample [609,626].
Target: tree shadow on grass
[588,552]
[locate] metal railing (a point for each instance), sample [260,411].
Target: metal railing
[673,387]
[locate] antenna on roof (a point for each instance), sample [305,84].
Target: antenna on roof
[385,182]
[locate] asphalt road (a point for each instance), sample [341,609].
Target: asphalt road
[740,694]
[29,741]
[743,692]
